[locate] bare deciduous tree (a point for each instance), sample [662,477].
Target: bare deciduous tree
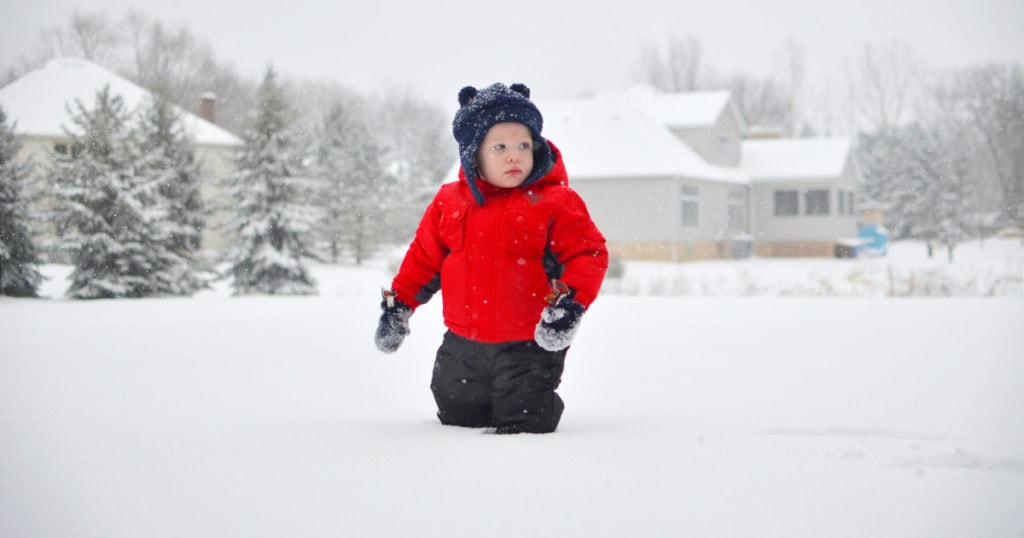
[92,36]
[772,101]
[762,102]
[993,98]
[177,63]
[678,70]
[886,79]
[791,63]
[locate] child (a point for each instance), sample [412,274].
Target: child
[519,260]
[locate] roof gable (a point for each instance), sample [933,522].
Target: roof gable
[606,136]
[38,101]
[690,110]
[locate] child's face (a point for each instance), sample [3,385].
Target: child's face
[505,158]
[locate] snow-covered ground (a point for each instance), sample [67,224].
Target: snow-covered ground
[980,269]
[687,415]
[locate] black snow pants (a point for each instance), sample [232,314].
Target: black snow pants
[509,386]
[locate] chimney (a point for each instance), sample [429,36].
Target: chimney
[764,132]
[208,107]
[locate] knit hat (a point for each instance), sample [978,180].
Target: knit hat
[480,110]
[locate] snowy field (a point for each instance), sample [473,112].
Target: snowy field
[750,413]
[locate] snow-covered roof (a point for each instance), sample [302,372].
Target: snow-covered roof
[795,158]
[688,110]
[37,100]
[605,136]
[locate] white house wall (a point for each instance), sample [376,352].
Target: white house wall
[216,162]
[647,214]
[35,149]
[802,227]
[718,144]
[632,210]
[799,227]
[713,212]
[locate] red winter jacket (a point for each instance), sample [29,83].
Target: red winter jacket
[489,259]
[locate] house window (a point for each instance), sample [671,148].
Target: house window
[62,149]
[787,203]
[846,203]
[816,202]
[737,209]
[691,206]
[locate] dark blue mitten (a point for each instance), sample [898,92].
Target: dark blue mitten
[558,324]
[393,326]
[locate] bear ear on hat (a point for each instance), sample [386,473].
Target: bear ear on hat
[521,89]
[466,95]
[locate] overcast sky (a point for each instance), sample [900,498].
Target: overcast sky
[559,48]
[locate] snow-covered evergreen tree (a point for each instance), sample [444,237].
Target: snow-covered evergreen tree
[272,218]
[921,176]
[106,215]
[895,176]
[420,152]
[356,189]
[955,203]
[19,260]
[165,161]
[330,162]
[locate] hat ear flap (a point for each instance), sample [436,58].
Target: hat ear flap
[521,89]
[466,95]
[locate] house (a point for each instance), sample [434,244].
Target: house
[38,103]
[672,177]
[803,192]
[652,194]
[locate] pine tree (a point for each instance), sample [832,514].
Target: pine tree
[107,218]
[273,218]
[956,201]
[165,161]
[921,183]
[19,262]
[356,189]
[921,176]
[894,178]
[416,135]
